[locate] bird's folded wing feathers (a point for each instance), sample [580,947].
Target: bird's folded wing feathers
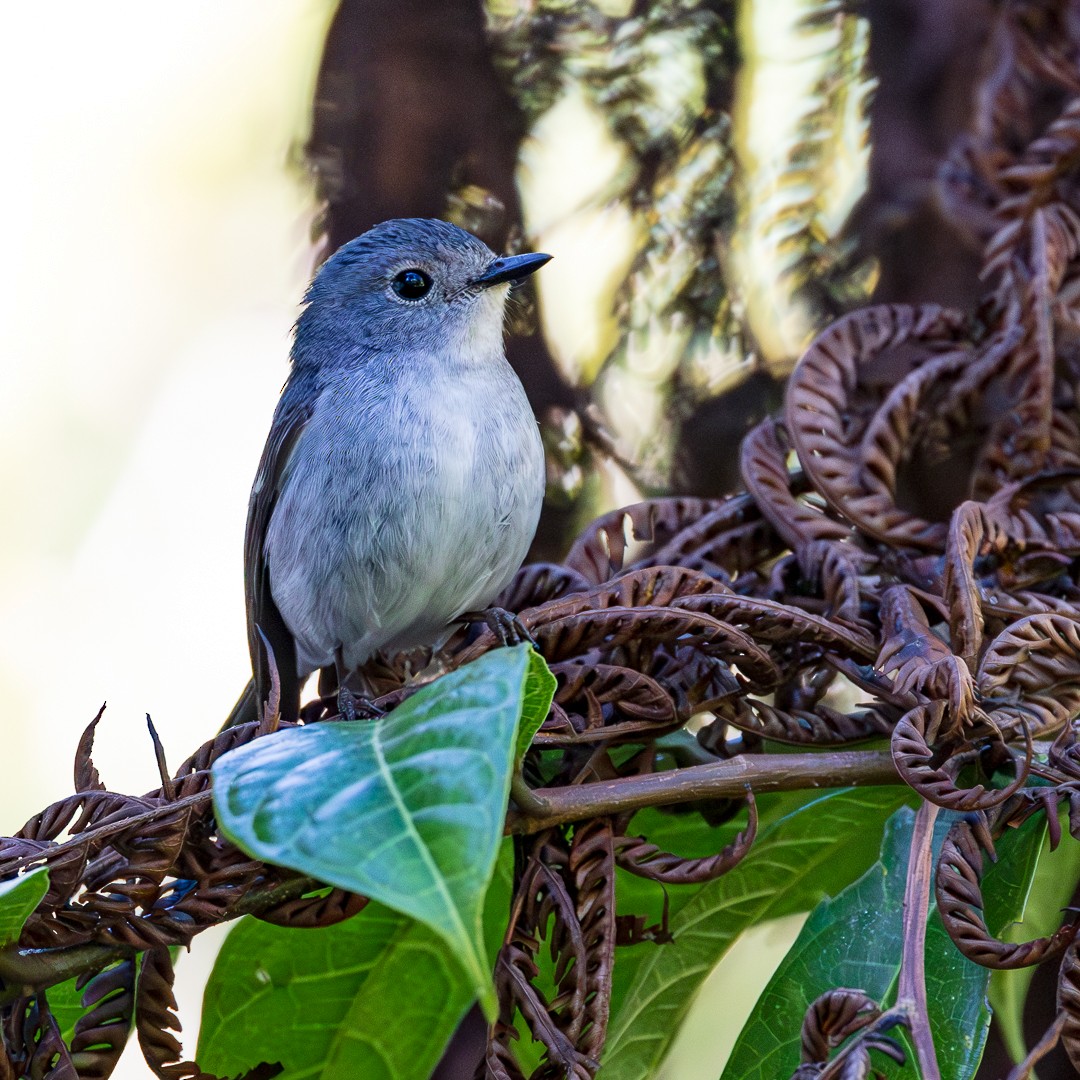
[294,411]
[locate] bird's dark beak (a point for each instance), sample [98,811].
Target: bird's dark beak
[511,268]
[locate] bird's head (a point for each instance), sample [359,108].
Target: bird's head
[410,286]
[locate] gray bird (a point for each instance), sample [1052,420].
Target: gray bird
[401,481]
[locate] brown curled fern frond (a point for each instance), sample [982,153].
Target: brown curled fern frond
[591,865]
[326,908]
[914,746]
[818,411]
[958,887]
[722,543]
[87,777]
[1033,668]
[775,624]
[613,628]
[599,553]
[696,682]
[821,726]
[643,859]
[544,910]
[1068,1002]
[767,478]
[537,583]
[101,1033]
[831,1018]
[919,661]
[967,531]
[33,1041]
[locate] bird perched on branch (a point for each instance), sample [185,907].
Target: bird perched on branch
[401,481]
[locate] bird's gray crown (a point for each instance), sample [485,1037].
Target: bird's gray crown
[451,256]
[396,245]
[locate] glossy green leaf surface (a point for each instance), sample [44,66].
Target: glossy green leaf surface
[851,940]
[819,847]
[540,686]
[18,898]
[339,1001]
[407,809]
[855,940]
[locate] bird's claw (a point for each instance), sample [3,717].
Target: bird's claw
[507,627]
[352,707]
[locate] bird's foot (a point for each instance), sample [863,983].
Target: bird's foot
[505,625]
[350,704]
[353,707]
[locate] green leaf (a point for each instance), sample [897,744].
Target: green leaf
[377,996]
[374,996]
[851,940]
[794,861]
[536,701]
[65,1003]
[855,940]
[1052,888]
[18,898]
[407,809]
[956,988]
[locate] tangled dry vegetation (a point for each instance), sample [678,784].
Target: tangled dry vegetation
[923,549]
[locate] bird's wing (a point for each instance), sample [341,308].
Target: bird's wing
[293,412]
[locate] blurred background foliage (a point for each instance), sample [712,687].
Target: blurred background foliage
[691,165]
[716,178]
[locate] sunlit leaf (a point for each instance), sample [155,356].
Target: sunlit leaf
[407,809]
[540,686]
[1052,888]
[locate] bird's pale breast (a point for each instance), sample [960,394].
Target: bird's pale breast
[378,541]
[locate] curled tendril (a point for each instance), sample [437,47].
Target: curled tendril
[913,750]
[646,860]
[958,886]
[831,1018]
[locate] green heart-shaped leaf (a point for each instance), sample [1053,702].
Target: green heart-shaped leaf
[407,809]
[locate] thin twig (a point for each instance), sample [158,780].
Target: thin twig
[35,969]
[911,989]
[721,779]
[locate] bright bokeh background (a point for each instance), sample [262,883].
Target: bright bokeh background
[153,247]
[154,244]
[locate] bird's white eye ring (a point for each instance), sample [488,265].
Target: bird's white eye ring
[411,284]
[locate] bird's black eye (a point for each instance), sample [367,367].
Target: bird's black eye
[411,284]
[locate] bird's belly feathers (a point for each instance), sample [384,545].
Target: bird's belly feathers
[388,545]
